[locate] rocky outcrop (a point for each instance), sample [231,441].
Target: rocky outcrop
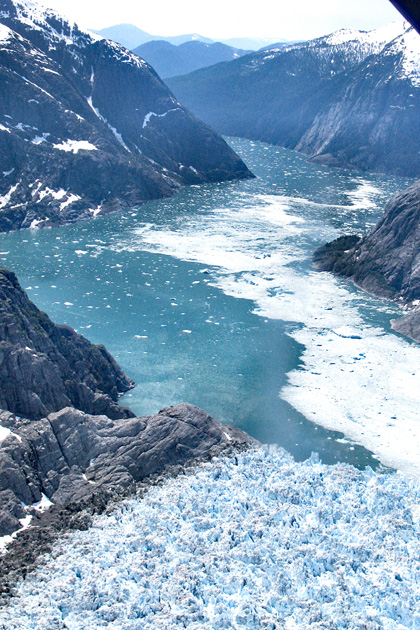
[386,262]
[45,367]
[87,128]
[77,464]
[69,455]
[351,98]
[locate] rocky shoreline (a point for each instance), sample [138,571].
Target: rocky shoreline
[385,262]
[67,449]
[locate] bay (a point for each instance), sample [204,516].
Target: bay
[210,297]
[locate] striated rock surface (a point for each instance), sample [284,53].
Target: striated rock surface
[45,367]
[385,262]
[69,455]
[80,463]
[87,128]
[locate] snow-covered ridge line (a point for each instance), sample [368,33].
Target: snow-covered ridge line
[255,541]
[361,43]
[38,17]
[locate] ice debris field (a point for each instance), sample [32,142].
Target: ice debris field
[251,541]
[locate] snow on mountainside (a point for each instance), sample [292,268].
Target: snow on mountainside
[350,98]
[72,142]
[407,46]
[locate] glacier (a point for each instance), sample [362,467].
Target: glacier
[254,540]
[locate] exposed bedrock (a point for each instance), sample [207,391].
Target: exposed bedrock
[385,262]
[45,367]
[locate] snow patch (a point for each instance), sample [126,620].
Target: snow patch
[5,33]
[5,199]
[117,135]
[42,505]
[150,114]
[96,211]
[41,139]
[72,198]
[74,146]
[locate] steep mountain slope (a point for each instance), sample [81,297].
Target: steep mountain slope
[45,367]
[86,127]
[386,261]
[131,36]
[169,60]
[351,98]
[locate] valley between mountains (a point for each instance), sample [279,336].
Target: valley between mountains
[152,269]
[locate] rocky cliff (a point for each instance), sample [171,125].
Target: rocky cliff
[351,98]
[58,471]
[45,367]
[86,127]
[385,262]
[66,447]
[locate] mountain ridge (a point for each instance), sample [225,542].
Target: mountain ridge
[169,60]
[348,99]
[87,128]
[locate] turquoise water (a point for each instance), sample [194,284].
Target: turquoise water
[202,297]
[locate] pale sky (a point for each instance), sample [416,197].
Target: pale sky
[283,19]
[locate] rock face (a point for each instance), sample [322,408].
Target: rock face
[170,61]
[351,98]
[86,127]
[386,262]
[45,367]
[70,455]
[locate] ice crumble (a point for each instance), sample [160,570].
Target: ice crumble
[352,385]
[254,541]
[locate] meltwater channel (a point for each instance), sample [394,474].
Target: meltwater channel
[210,297]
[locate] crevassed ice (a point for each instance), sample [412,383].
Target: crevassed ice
[254,541]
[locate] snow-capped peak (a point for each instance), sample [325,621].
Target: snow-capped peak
[408,45]
[38,17]
[376,38]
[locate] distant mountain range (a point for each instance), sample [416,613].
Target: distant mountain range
[351,98]
[131,37]
[86,127]
[169,60]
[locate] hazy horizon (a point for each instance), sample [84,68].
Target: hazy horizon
[273,20]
